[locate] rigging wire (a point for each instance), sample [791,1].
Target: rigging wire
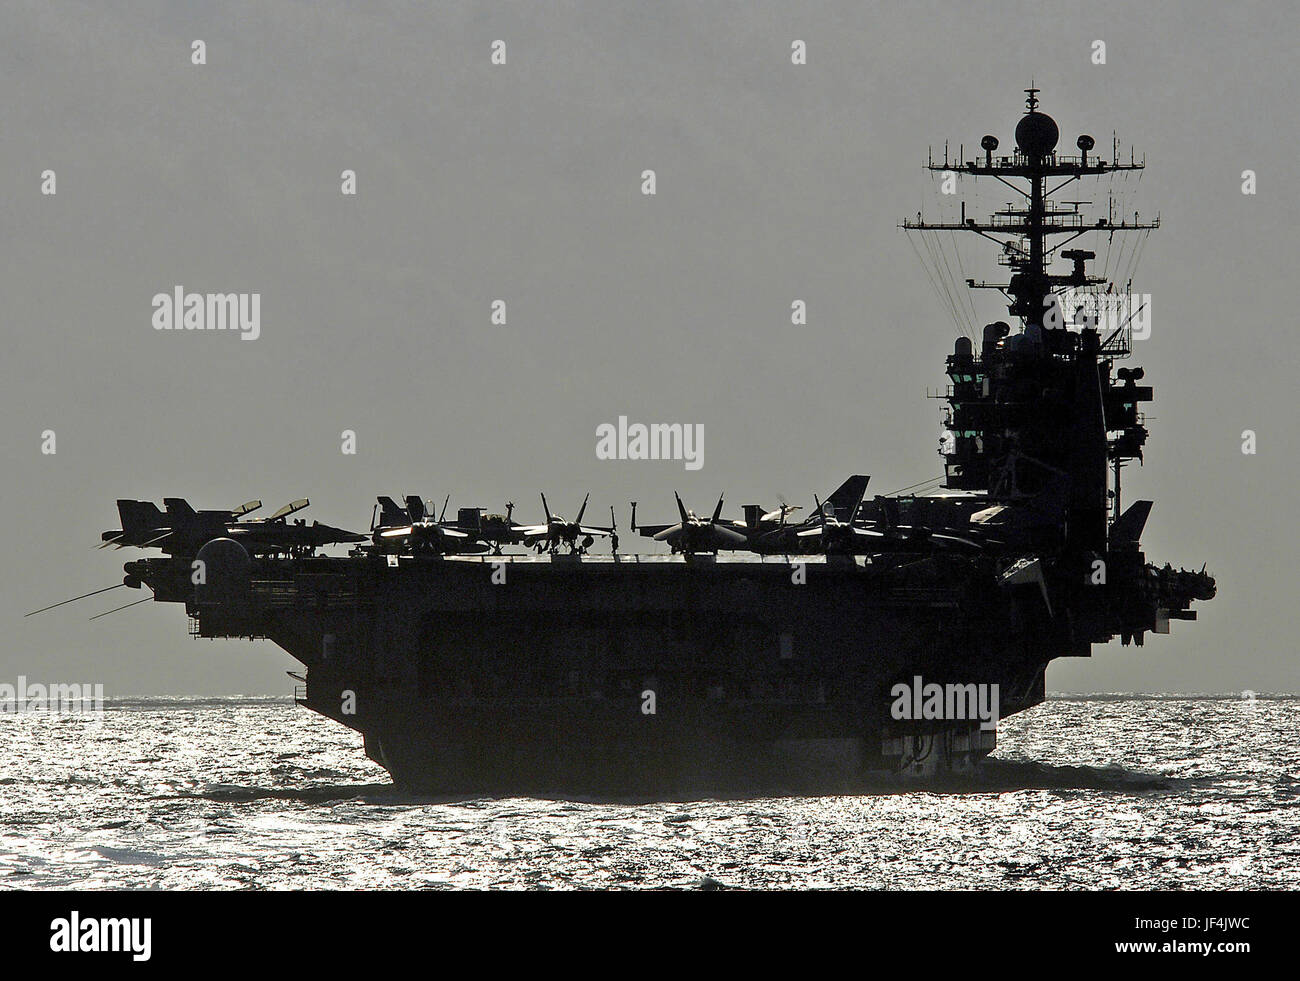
[912,487]
[945,292]
[927,239]
[974,315]
[954,288]
[960,308]
[938,292]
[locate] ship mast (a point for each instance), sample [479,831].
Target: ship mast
[1032,287]
[1039,415]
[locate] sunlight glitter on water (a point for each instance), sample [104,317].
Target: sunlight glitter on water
[1101,792]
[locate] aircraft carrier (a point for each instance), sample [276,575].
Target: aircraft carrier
[479,655]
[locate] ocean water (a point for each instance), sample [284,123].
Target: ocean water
[1098,792]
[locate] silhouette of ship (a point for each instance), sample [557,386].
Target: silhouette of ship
[763,652]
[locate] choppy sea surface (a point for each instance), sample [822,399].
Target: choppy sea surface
[1096,792]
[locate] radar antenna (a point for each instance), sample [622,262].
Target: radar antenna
[1025,232]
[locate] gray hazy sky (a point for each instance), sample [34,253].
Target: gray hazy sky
[522,182]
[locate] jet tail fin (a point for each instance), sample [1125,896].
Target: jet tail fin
[139,516]
[1127,528]
[178,508]
[847,498]
[390,514]
[415,507]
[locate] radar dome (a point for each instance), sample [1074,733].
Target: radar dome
[226,577]
[1036,134]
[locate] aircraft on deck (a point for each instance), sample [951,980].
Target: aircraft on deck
[181,530]
[556,531]
[763,531]
[417,529]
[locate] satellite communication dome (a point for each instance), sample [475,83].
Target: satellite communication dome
[1036,134]
[226,572]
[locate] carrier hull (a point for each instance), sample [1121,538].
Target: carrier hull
[646,674]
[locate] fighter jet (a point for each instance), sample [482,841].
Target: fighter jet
[840,509]
[143,525]
[556,532]
[694,534]
[416,529]
[839,535]
[882,530]
[492,529]
[180,530]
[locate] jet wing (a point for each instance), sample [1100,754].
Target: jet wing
[653,531]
